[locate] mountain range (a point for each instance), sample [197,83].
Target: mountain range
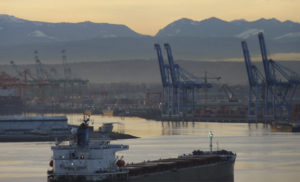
[214,27]
[208,39]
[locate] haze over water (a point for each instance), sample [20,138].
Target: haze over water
[262,155]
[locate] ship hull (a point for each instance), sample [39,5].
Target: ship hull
[221,171]
[212,172]
[120,176]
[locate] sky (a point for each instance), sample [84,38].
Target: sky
[148,16]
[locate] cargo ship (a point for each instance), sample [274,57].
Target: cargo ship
[33,128]
[83,159]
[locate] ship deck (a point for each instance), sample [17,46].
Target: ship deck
[176,163]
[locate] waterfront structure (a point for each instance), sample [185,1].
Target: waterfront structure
[33,128]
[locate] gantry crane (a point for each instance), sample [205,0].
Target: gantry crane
[70,83]
[67,68]
[179,83]
[41,72]
[257,86]
[282,83]
[184,86]
[166,82]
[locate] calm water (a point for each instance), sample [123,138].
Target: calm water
[262,155]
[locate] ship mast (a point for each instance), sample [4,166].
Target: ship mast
[210,135]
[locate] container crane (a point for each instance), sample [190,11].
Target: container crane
[181,77]
[33,84]
[281,82]
[165,79]
[41,73]
[162,67]
[67,68]
[23,73]
[206,78]
[16,68]
[257,85]
[176,85]
[181,84]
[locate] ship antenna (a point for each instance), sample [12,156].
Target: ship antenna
[210,135]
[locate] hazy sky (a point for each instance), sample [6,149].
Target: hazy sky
[148,16]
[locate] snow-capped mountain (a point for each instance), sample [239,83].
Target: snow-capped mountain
[214,27]
[208,39]
[18,31]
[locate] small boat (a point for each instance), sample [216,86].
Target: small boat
[285,126]
[108,112]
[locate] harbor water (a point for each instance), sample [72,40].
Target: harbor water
[262,155]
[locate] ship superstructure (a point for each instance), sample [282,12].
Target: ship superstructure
[86,160]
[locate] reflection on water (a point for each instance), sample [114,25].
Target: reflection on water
[262,155]
[145,128]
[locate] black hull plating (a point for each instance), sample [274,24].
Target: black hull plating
[212,172]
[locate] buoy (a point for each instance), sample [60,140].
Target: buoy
[120,163]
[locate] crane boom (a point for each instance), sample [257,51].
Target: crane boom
[19,72]
[246,53]
[161,64]
[41,72]
[172,65]
[22,73]
[263,50]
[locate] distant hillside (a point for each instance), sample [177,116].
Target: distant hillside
[147,71]
[184,48]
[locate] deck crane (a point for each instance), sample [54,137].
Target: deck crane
[281,82]
[184,85]
[257,85]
